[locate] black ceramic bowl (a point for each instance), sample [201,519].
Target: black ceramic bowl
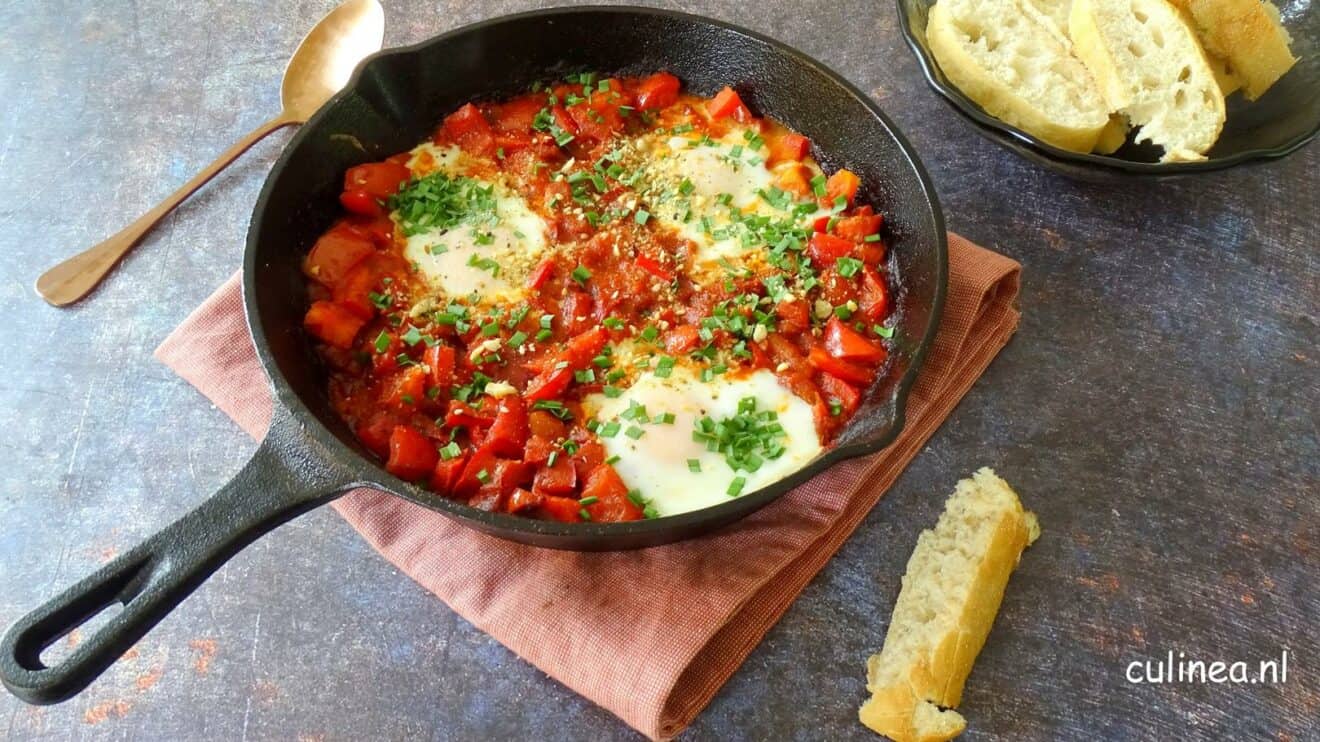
[1279,123]
[396,98]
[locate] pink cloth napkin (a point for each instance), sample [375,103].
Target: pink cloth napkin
[650,635]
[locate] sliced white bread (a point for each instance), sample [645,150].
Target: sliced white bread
[951,592]
[1055,13]
[1247,35]
[1114,134]
[1149,66]
[1017,69]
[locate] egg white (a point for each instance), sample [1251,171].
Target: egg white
[516,242]
[729,168]
[656,464]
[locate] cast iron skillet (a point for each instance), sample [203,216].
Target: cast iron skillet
[309,456]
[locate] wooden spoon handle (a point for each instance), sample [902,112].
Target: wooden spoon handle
[72,279]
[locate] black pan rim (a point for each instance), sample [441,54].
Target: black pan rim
[371,474]
[1031,147]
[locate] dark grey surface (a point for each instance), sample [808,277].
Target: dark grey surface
[1157,409]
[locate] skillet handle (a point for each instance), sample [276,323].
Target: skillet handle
[284,478]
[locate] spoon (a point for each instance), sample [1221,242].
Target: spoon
[321,66]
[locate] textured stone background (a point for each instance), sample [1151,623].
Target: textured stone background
[1157,409]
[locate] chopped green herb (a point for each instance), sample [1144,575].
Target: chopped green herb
[382,342]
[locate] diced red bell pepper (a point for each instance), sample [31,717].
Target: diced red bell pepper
[469,416]
[874,300]
[822,224]
[858,227]
[517,115]
[795,179]
[467,127]
[657,91]
[560,479]
[405,389]
[821,360]
[379,230]
[546,425]
[333,323]
[565,509]
[552,382]
[825,248]
[446,474]
[789,147]
[590,454]
[794,317]
[842,183]
[508,475]
[612,503]
[596,121]
[541,274]
[470,480]
[441,359]
[846,343]
[380,180]
[538,449]
[335,254]
[508,433]
[836,390]
[654,267]
[521,500]
[361,202]
[412,455]
[354,291]
[375,433]
[726,103]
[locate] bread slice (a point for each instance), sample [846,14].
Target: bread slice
[1010,63]
[951,592]
[1055,15]
[1150,67]
[1247,35]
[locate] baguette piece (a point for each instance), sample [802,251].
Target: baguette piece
[1247,35]
[951,592]
[1149,66]
[1017,69]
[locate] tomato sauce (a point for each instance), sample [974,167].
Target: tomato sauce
[482,401]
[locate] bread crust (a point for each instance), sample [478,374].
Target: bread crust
[999,99]
[1247,35]
[937,656]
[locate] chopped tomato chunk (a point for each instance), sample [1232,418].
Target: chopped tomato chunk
[825,248]
[657,91]
[839,392]
[333,323]
[335,254]
[462,413]
[361,202]
[406,389]
[558,479]
[521,500]
[564,509]
[508,432]
[412,455]
[789,147]
[446,474]
[541,273]
[441,359]
[843,183]
[467,127]
[379,180]
[552,382]
[858,227]
[611,496]
[726,103]
[875,295]
[844,342]
[846,370]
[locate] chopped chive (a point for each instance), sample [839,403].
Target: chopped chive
[591,500]
[450,450]
[736,486]
[382,342]
[694,465]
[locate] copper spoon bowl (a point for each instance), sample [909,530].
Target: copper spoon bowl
[319,68]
